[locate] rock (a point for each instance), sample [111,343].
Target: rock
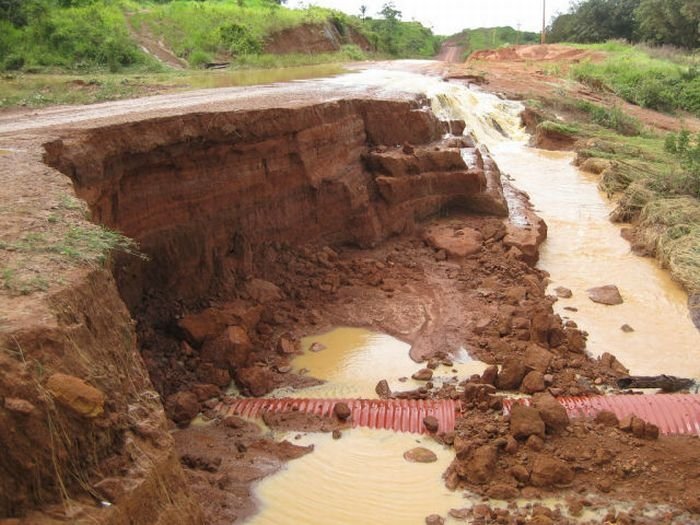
[230,350]
[76,395]
[19,406]
[482,465]
[336,434]
[535,443]
[434,519]
[502,491]
[627,328]
[550,472]
[342,411]
[262,291]
[205,391]
[511,374]
[317,347]
[208,373]
[610,362]
[551,411]
[182,407]
[456,242]
[286,346]
[257,381]
[607,418]
[537,358]
[563,293]
[431,424]
[209,323]
[382,389]
[234,422]
[608,294]
[490,375]
[525,422]
[520,473]
[533,382]
[651,431]
[424,374]
[420,455]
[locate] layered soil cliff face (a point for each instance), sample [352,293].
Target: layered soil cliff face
[315,38]
[200,193]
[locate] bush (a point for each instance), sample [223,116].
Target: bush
[645,81]
[239,40]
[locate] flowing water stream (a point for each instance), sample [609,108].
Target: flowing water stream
[363,477]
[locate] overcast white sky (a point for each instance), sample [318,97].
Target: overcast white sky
[447,17]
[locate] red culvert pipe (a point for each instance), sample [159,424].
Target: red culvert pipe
[400,415]
[672,413]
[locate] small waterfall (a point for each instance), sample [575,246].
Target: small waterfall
[489,118]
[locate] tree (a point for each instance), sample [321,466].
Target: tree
[561,29]
[600,20]
[670,22]
[390,13]
[363,12]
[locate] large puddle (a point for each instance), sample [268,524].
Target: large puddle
[250,77]
[353,360]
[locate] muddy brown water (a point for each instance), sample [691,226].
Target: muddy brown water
[363,476]
[250,77]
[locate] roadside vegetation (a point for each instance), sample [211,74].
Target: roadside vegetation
[653,177]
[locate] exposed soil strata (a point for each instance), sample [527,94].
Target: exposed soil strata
[315,38]
[195,189]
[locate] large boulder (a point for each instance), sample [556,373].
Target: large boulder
[537,358]
[182,407]
[550,472]
[480,468]
[525,422]
[256,380]
[420,455]
[608,294]
[459,242]
[76,395]
[511,375]
[230,350]
[551,411]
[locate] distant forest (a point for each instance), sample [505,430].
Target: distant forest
[659,22]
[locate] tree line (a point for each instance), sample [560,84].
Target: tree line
[659,22]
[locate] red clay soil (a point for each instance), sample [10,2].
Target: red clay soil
[264,224]
[536,71]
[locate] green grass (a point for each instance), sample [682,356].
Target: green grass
[636,76]
[560,127]
[199,31]
[66,240]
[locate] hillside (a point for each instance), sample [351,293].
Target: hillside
[99,35]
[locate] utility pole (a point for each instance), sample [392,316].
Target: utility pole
[544,26]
